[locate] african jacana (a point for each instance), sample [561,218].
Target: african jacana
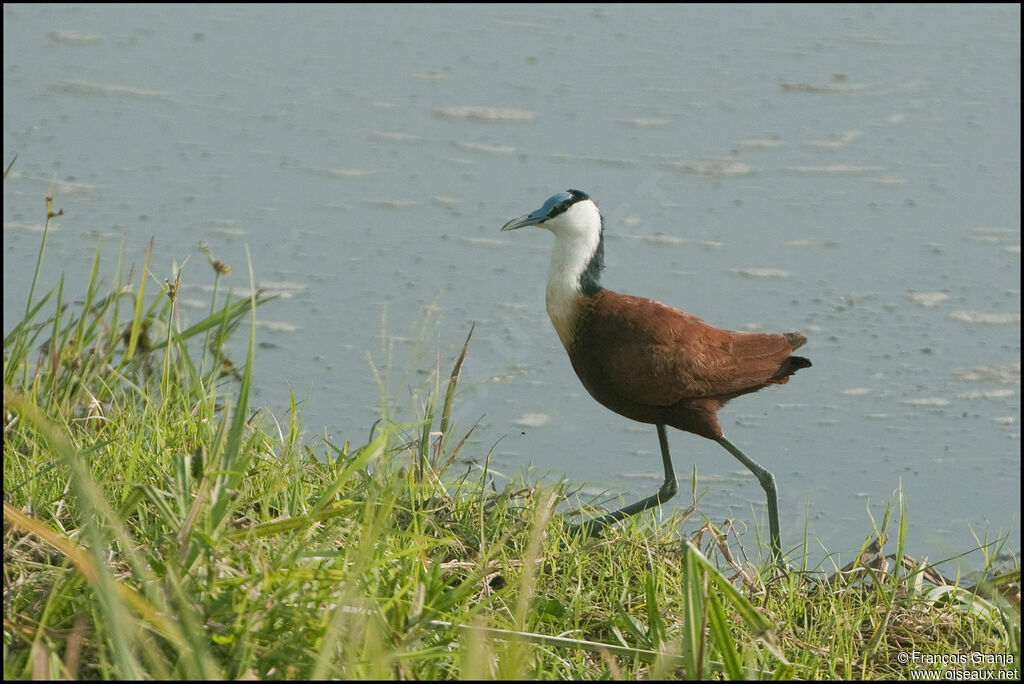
[645,360]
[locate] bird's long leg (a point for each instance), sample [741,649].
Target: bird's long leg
[667,491]
[767,481]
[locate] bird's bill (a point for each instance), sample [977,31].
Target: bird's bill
[532,219]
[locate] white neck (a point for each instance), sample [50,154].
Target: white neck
[577,233]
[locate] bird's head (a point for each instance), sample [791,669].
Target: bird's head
[571,214]
[578,256]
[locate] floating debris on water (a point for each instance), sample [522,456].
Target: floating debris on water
[991,233]
[929,299]
[26,226]
[810,244]
[648,123]
[843,88]
[532,420]
[649,475]
[1008,374]
[986,317]
[988,394]
[604,161]
[393,204]
[432,76]
[717,168]
[87,88]
[662,239]
[74,37]
[228,227]
[498,114]
[927,401]
[761,142]
[277,326]
[56,185]
[285,289]
[763,272]
[487,242]
[483,147]
[348,173]
[841,140]
[197,304]
[836,169]
[445,201]
[396,136]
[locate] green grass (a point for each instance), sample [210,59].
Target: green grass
[156,526]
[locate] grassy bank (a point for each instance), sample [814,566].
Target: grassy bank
[157,526]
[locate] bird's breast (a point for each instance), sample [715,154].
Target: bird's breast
[565,317]
[567,308]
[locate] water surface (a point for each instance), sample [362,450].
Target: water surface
[851,172]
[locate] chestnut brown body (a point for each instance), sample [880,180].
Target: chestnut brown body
[656,364]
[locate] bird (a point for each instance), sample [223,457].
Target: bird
[648,361]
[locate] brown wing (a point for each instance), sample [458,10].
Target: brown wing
[654,355]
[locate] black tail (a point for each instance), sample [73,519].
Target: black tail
[798,362]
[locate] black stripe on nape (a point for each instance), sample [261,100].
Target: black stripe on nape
[590,279]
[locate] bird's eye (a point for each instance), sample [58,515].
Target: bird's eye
[562,207]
